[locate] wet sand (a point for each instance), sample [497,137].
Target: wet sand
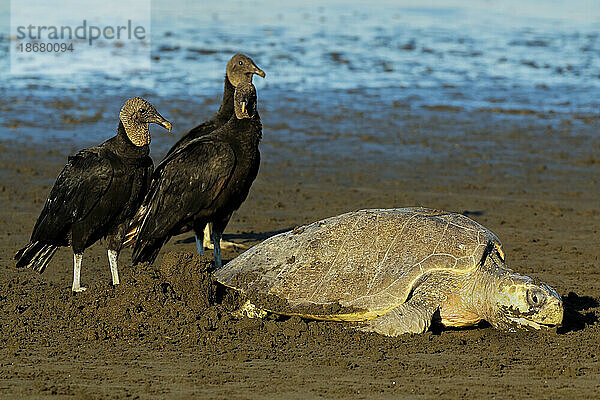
[532,178]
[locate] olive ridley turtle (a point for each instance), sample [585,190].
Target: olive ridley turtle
[393,271]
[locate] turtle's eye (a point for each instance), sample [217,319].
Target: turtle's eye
[142,110]
[535,297]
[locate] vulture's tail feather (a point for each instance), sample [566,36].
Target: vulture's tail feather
[35,255]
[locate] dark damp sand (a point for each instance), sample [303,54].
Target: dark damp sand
[164,333]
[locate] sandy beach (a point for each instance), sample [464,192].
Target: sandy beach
[163,334]
[488,109]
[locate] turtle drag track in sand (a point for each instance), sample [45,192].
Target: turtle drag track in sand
[167,331]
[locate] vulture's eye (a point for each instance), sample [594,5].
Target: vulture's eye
[142,110]
[241,63]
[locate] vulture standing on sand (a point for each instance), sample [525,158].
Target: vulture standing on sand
[240,69]
[96,194]
[204,181]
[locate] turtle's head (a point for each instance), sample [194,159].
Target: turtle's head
[522,303]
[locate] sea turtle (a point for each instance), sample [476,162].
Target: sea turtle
[394,271]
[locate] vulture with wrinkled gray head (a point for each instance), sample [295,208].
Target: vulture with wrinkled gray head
[203,182]
[96,194]
[240,69]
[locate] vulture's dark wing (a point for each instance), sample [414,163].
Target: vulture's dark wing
[77,190]
[201,130]
[186,182]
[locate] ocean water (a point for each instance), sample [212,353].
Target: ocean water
[539,56]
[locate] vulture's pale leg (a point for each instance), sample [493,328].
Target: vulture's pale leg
[207,241]
[217,248]
[224,243]
[77,258]
[199,245]
[112,260]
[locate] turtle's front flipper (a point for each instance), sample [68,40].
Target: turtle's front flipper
[414,316]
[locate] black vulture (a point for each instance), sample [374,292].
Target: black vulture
[96,194]
[240,69]
[204,181]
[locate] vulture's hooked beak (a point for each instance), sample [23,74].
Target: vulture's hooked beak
[243,103]
[167,125]
[259,72]
[159,120]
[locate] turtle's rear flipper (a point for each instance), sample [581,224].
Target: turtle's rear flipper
[414,316]
[249,310]
[207,242]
